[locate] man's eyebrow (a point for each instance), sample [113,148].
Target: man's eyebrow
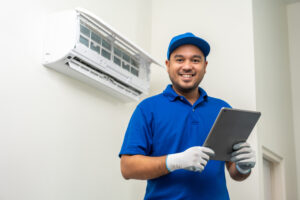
[197,56]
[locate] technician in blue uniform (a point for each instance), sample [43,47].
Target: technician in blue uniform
[163,141]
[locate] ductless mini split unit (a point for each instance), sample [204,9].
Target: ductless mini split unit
[79,44]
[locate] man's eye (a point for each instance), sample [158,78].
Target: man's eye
[196,60]
[179,60]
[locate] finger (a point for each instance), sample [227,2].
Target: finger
[242,151]
[196,168]
[191,168]
[246,163]
[208,151]
[199,167]
[240,145]
[204,156]
[203,163]
[242,157]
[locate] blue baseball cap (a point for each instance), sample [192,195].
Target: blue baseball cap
[188,38]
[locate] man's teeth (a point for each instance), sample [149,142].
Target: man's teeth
[186,75]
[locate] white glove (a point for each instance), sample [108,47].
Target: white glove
[244,157]
[193,159]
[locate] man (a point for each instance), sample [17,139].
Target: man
[163,140]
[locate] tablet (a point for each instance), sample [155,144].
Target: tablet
[231,126]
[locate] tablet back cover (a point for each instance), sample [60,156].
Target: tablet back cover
[231,126]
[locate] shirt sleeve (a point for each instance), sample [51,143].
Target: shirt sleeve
[138,136]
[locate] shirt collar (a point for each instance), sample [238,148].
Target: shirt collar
[172,95]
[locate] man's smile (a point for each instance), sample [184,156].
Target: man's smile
[187,76]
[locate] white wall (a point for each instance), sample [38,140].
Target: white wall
[273,86]
[59,138]
[227,26]
[293,11]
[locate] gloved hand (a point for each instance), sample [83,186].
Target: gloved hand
[244,157]
[193,159]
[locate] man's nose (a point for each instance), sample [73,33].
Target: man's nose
[187,65]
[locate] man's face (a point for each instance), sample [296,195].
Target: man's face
[186,68]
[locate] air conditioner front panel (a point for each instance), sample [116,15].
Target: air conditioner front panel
[106,65]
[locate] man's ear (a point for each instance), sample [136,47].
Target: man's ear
[205,65]
[167,65]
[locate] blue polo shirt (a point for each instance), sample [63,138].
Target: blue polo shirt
[167,123]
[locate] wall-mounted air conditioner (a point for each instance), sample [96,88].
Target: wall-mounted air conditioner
[79,44]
